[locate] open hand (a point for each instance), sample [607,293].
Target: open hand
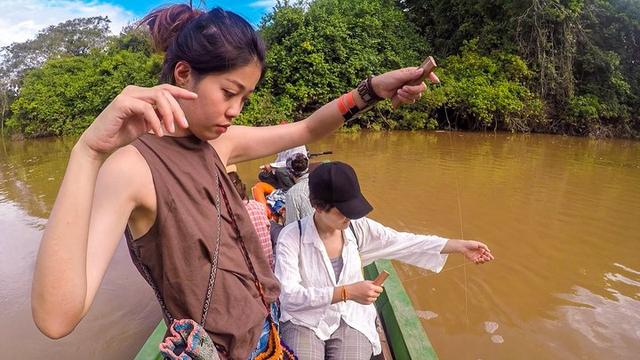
[476,251]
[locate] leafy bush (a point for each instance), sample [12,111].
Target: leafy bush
[65,95]
[322,49]
[486,91]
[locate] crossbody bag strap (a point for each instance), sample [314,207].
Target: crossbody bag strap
[212,273]
[145,272]
[215,256]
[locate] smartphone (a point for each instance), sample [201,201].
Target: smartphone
[381,278]
[429,64]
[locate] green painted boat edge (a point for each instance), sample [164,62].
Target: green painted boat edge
[150,350]
[405,334]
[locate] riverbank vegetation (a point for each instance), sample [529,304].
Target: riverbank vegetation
[557,66]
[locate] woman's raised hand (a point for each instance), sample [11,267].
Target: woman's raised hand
[395,85]
[135,111]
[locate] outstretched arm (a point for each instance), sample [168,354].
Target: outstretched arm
[473,250]
[243,143]
[427,251]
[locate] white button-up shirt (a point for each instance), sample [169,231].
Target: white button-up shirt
[307,278]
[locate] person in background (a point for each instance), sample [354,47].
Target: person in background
[257,214]
[327,307]
[276,173]
[297,199]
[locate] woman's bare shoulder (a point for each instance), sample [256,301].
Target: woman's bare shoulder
[125,161]
[127,171]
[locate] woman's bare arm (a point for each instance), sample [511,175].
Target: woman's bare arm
[94,203]
[242,143]
[85,226]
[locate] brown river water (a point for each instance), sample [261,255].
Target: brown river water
[560,214]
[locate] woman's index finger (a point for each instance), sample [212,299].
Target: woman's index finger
[179,92]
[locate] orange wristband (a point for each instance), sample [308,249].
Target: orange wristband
[342,107]
[344,294]
[347,106]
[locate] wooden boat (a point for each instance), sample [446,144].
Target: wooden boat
[403,336]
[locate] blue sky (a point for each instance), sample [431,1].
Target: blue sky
[251,10]
[22,19]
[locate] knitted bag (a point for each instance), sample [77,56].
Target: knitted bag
[188,341]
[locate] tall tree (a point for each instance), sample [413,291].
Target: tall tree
[583,53]
[70,38]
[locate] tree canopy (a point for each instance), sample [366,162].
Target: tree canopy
[560,66]
[65,94]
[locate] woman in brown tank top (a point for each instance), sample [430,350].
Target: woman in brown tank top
[153,163]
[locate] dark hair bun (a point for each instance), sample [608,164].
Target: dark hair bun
[166,22]
[210,42]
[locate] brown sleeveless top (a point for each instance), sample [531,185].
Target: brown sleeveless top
[177,249]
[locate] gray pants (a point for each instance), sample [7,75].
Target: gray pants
[346,343]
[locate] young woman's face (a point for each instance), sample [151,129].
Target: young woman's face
[220,100]
[334,218]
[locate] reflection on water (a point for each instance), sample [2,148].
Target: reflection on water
[426,314]
[592,314]
[560,214]
[490,326]
[31,171]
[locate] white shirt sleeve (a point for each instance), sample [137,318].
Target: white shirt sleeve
[377,241]
[293,295]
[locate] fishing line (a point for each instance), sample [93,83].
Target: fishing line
[466,295]
[461,222]
[422,276]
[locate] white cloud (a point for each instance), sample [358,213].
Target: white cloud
[21,20]
[263,4]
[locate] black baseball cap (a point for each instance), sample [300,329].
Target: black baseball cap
[336,184]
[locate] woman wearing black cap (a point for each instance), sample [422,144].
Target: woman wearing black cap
[326,304]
